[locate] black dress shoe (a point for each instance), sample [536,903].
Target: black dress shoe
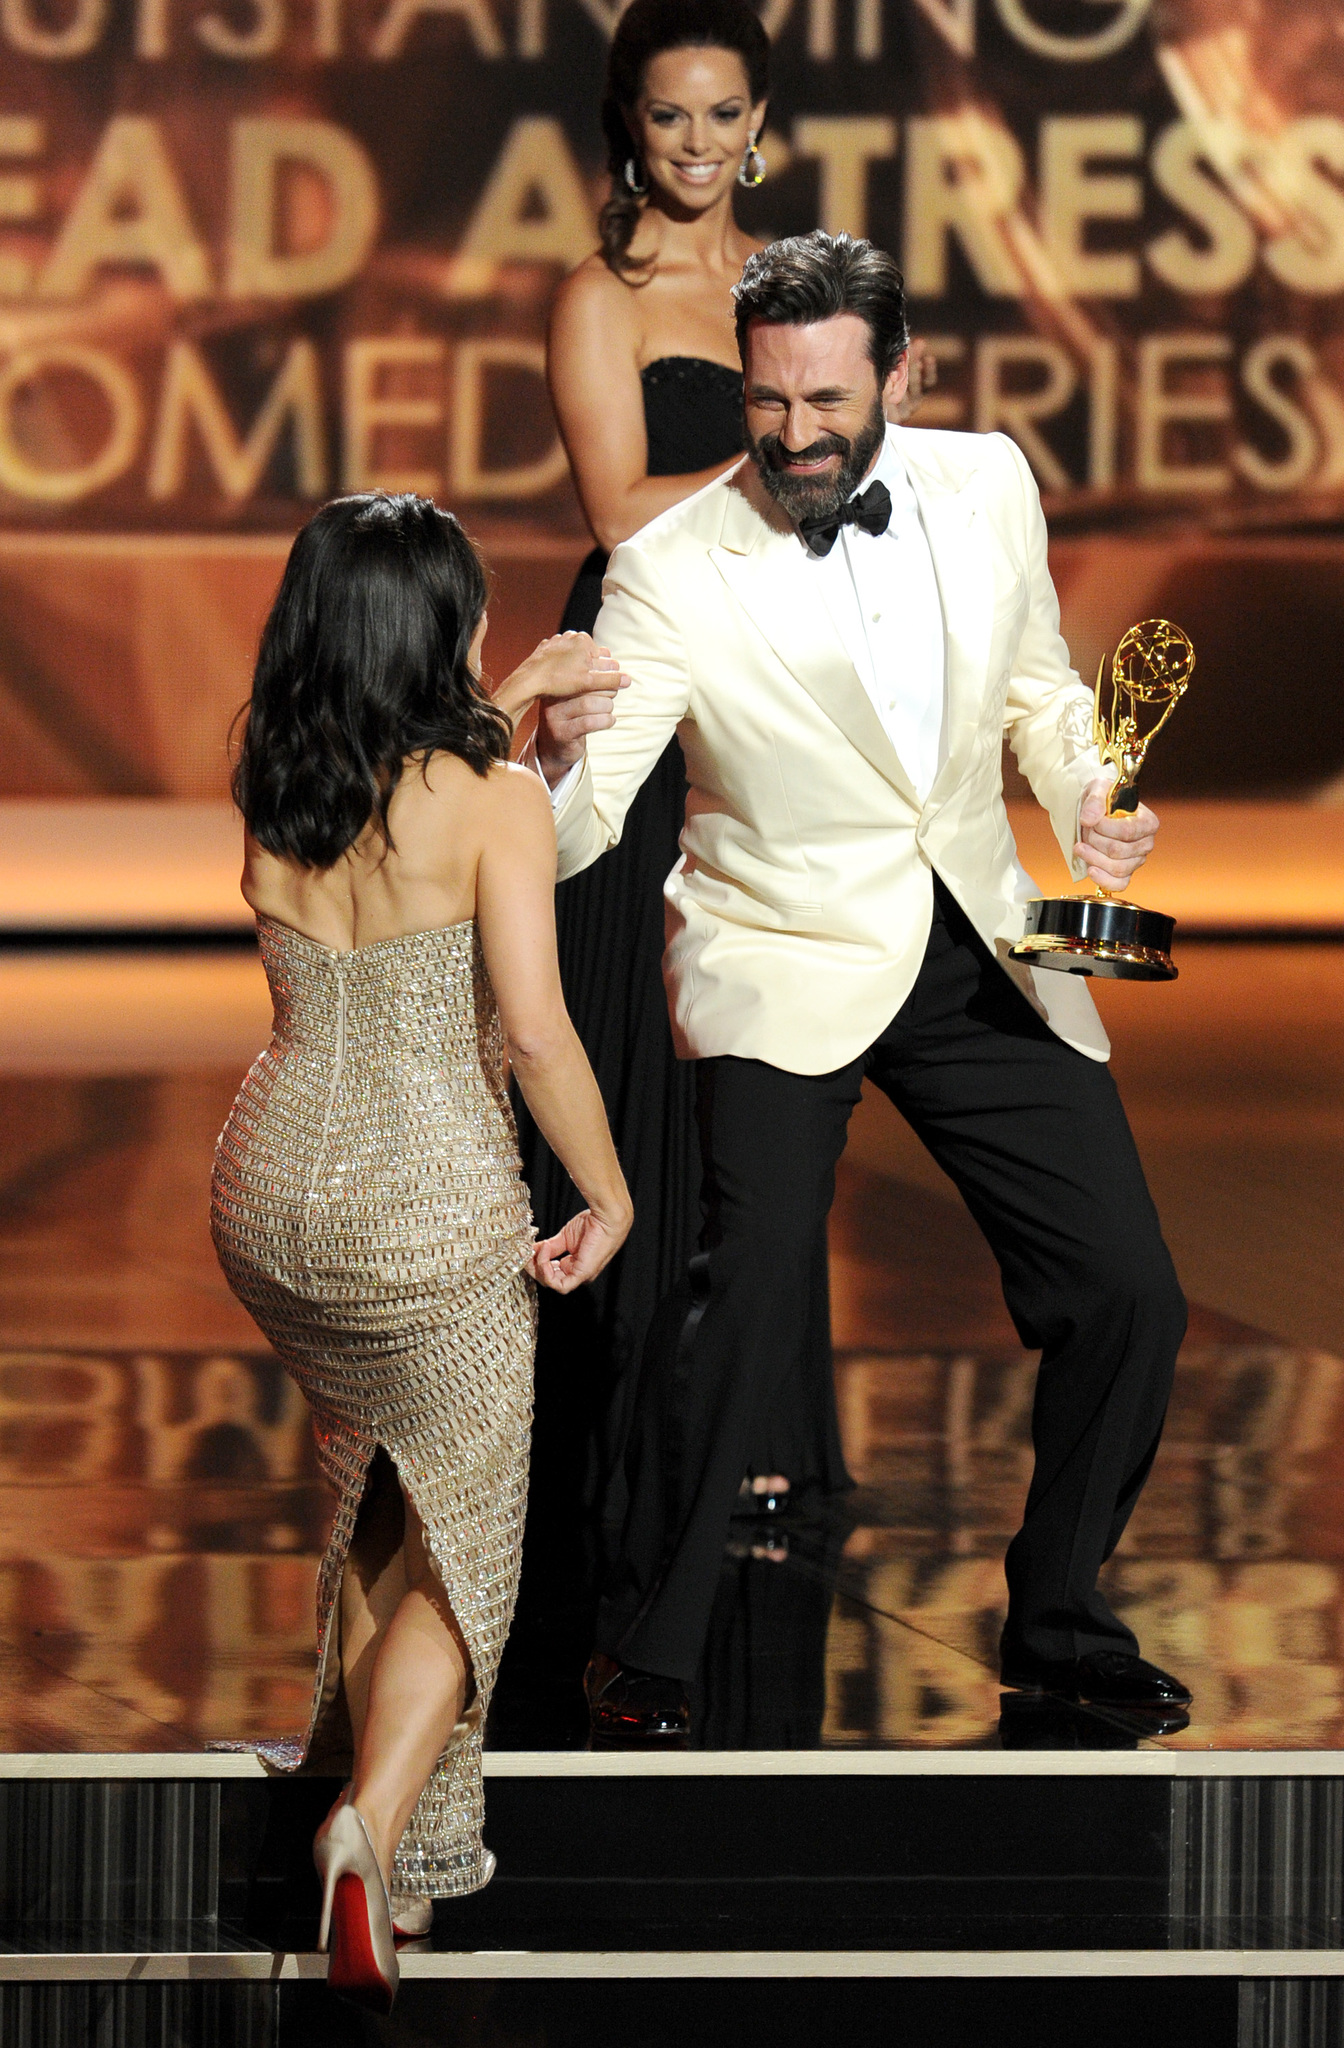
[632,1709]
[1040,1720]
[1103,1678]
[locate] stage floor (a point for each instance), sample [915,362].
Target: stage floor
[159,1510]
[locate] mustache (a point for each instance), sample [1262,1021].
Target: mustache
[826,444]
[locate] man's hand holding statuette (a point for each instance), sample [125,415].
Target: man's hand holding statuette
[1114,849]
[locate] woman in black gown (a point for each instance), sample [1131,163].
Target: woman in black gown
[609,923]
[646,385]
[644,376]
[684,105]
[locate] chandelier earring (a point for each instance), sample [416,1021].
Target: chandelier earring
[751,171]
[631,179]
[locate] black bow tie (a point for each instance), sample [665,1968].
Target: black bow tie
[871,511]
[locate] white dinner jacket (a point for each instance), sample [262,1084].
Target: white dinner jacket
[799,912]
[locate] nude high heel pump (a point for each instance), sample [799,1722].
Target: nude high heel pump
[356,1916]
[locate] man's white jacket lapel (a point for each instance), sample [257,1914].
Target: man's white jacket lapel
[760,559]
[799,911]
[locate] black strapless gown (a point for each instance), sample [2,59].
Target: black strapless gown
[611,939]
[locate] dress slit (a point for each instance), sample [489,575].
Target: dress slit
[440,1854]
[368,1212]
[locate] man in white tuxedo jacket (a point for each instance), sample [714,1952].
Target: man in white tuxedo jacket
[841,631]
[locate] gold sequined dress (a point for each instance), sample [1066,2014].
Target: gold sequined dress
[368,1212]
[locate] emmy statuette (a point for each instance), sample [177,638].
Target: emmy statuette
[1102,934]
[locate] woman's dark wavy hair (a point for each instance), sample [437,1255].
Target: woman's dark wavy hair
[363,667]
[644,31]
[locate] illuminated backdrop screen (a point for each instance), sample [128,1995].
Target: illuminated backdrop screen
[255,251]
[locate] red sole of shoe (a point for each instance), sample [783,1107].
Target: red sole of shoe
[352,1970]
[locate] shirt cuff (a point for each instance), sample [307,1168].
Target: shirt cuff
[558,795]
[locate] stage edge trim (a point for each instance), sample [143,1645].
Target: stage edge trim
[495,1966]
[177,1766]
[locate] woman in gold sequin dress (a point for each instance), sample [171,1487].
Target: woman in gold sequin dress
[367,1207]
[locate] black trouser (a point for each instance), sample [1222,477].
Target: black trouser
[1034,1136]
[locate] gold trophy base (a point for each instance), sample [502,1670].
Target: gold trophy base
[1097,935]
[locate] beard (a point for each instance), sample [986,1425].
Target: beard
[818,497]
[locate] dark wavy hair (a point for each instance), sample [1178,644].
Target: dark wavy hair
[645,31]
[805,278]
[362,667]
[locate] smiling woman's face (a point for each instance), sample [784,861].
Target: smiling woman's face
[692,123]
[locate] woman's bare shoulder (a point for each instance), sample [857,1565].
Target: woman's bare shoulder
[519,795]
[446,817]
[590,291]
[261,871]
[592,354]
[505,790]
[265,872]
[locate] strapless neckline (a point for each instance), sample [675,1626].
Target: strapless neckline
[693,422]
[371,946]
[692,363]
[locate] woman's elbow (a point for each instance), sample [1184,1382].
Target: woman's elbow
[610,529]
[616,518]
[535,1046]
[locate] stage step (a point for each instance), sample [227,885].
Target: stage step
[178,1891]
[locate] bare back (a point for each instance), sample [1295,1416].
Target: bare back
[441,818]
[466,845]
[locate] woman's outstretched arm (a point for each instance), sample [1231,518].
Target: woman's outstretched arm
[565,665]
[515,914]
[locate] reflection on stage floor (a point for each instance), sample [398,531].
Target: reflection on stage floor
[161,1515]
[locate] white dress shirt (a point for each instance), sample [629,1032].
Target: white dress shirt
[882,594]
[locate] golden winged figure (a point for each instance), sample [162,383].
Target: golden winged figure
[1151,667]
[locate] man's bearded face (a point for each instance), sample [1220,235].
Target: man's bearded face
[782,470]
